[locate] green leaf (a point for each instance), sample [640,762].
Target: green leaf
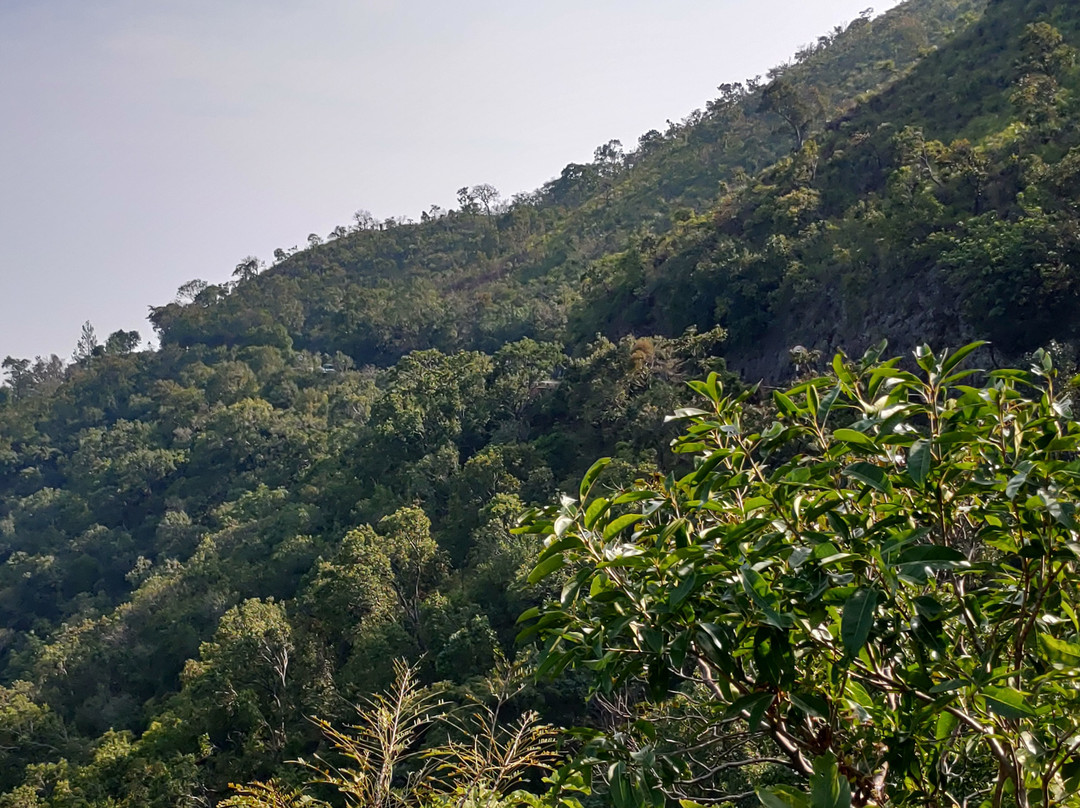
[783,797]
[545,568]
[922,559]
[828,788]
[764,598]
[929,608]
[752,707]
[529,614]
[946,723]
[827,403]
[785,404]
[619,786]
[591,475]
[868,474]
[956,358]
[841,371]
[1007,702]
[1017,482]
[925,358]
[811,704]
[684,588]
[855,438]
[858,620]
[710,639]
[633,496]
[618,525]
[1062,655]
[595,510]
[919,457]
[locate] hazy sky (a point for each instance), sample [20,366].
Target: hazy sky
[148,142]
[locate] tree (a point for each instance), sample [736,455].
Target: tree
[190,290]
[1044,61]
[486,195]
[248,268]
[20,379]
[122,342]
[29,731]
[245,671]
[798,106]
[609,157]
[413,559]
[86,345]
[467,200]
[875,595]
[364,220]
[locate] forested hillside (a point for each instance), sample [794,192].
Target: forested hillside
[321,468]
[495,271]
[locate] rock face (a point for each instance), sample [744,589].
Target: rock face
[907,314]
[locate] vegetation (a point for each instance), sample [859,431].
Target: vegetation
[858,591]
[875,594]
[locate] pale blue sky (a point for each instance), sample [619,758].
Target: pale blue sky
[148,142]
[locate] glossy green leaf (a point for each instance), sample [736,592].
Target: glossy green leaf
[811,704]
[784,404]
[617,526]
[591,475]
[957,356]
[859,439]
[682,590]
[545,568]
[1007,702]
[858,620]
[828,787]
[868,474]
[1017,481]
[827,403]
[945,725]
[1063,655]
[919,457]
[597,508]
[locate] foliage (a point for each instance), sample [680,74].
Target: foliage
[383,763]
[318,470]
[882,582]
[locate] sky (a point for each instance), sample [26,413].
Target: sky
[146,143]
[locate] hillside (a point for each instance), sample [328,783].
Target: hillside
[884,228]
[488,273]
[318,471]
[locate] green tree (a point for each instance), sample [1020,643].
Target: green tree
[798,106]
[1045,59]
[122,342]
[244,672]
[86,344]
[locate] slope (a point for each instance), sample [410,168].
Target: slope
[486,273]
[945,217]
[205,544]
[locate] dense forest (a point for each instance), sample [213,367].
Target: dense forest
[564,500]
